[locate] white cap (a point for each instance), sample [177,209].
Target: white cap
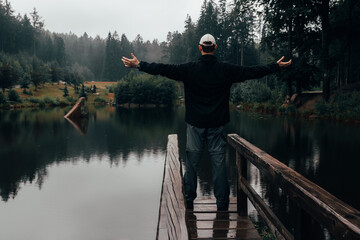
[207,40]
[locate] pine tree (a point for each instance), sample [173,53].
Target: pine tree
[60,50]
[38,25]
[82,92]
[208,20]
[5,76]
[107,74]
[114,69]
[190,40]
[66,92]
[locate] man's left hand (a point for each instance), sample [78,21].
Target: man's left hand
[283,64]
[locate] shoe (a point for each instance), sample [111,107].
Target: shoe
[190,206]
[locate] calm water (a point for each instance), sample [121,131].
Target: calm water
[104,182]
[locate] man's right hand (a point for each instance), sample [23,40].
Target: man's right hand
[131,63]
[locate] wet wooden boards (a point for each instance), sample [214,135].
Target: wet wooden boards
[172,223]
[204,222]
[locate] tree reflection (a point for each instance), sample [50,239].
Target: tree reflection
[33,140]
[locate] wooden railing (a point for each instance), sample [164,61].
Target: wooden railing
[340,219]
[172,222]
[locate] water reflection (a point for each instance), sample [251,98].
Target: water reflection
[34,142]
[324,152]
[80,124]
[31,140]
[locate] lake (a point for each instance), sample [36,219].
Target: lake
[104,180]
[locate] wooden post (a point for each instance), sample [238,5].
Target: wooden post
[241,163]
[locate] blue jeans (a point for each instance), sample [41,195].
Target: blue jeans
[216,143]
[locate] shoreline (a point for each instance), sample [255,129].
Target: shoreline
[259,108]
[290,111]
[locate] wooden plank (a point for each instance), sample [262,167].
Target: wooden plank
[214,216]
[342,220]
[209,207]
[228,233]
[206,223]
[238,228]
[207,200]
[225,224]
[172,212]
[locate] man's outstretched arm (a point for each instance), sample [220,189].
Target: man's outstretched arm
[172,71]
[245,73]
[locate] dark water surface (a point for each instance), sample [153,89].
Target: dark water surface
[57,182]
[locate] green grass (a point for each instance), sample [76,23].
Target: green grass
[49,94]
[52,94]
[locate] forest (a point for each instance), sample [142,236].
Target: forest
[319,35]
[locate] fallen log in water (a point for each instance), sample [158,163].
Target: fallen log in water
[80,110]
[78,115]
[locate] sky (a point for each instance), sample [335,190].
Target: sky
[152,19]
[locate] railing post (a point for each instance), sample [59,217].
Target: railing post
[241,164]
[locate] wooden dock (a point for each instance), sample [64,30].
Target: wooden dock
[207,223]
[204,222]
[316,205]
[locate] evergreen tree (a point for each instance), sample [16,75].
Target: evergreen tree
[225,31]
[46,51]
[190,40]
[36,78]
[25,35]
[13,96]
[125,50]
[66,91]
[176,47]
[5,76]
[115,48]
[38,25]
[208,20]
[55,73]
[288,31]
[60,50]
[82,92]
[107,69]
[139,46]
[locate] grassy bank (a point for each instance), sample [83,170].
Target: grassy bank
[50,94]
[342,106]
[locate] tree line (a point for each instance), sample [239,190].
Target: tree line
[319,35]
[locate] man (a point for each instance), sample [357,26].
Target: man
[207,84]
